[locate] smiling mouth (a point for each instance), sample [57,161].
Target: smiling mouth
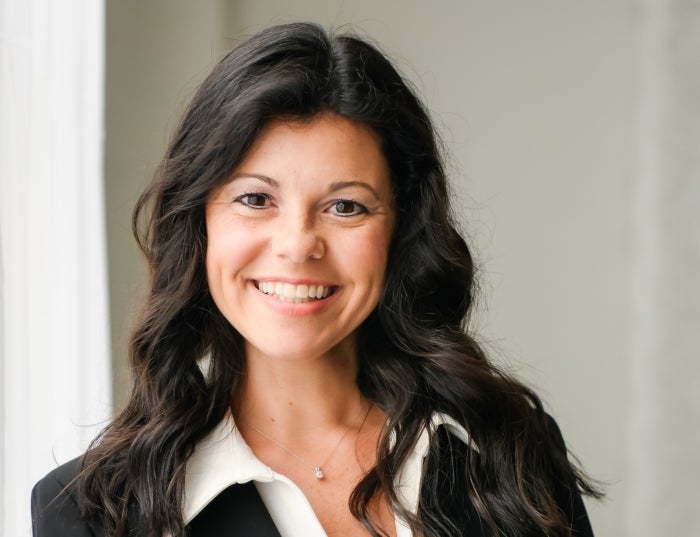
[288,292]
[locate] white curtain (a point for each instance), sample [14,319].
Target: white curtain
[664,466]
[55,370]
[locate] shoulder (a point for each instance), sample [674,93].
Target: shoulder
[62,475]
[445,454]
[55,510]
[56,485]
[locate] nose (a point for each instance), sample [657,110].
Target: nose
[298,239]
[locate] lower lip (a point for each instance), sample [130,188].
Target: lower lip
[296,309]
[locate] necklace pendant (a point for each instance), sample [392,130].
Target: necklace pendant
[318,472]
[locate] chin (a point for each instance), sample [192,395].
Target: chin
[294,349]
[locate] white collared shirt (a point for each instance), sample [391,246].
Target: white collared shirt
[223,458]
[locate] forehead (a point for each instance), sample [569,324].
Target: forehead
[326,143]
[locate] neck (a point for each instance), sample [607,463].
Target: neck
[290,398]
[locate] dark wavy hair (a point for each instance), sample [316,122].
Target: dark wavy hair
[416,356]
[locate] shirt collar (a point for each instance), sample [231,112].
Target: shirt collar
[223,459]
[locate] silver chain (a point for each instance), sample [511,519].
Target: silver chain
[318,470]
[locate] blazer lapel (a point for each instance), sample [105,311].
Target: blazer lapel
[238,511]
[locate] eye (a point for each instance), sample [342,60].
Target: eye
[348,208]
[254,200]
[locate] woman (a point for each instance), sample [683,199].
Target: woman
[302,365]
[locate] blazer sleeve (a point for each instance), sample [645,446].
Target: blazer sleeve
[572,504]
[570,501]
[580,524]
[55,512]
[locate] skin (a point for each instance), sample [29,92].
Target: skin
[309,206]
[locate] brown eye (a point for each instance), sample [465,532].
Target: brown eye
[348,208]
[256,201]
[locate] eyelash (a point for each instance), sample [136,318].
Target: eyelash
[359,208]
[241,199]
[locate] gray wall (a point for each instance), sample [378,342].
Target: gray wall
[535,102]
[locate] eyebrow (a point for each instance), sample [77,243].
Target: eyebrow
[333,187]
[264,178]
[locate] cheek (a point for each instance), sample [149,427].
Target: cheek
[228,250]
[369,256]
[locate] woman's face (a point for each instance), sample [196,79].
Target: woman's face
[298,237]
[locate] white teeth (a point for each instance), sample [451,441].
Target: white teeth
[294,293]
[302,291]
[289,291]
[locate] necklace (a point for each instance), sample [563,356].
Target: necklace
[318,469]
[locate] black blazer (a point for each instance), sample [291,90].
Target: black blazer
[239,511]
